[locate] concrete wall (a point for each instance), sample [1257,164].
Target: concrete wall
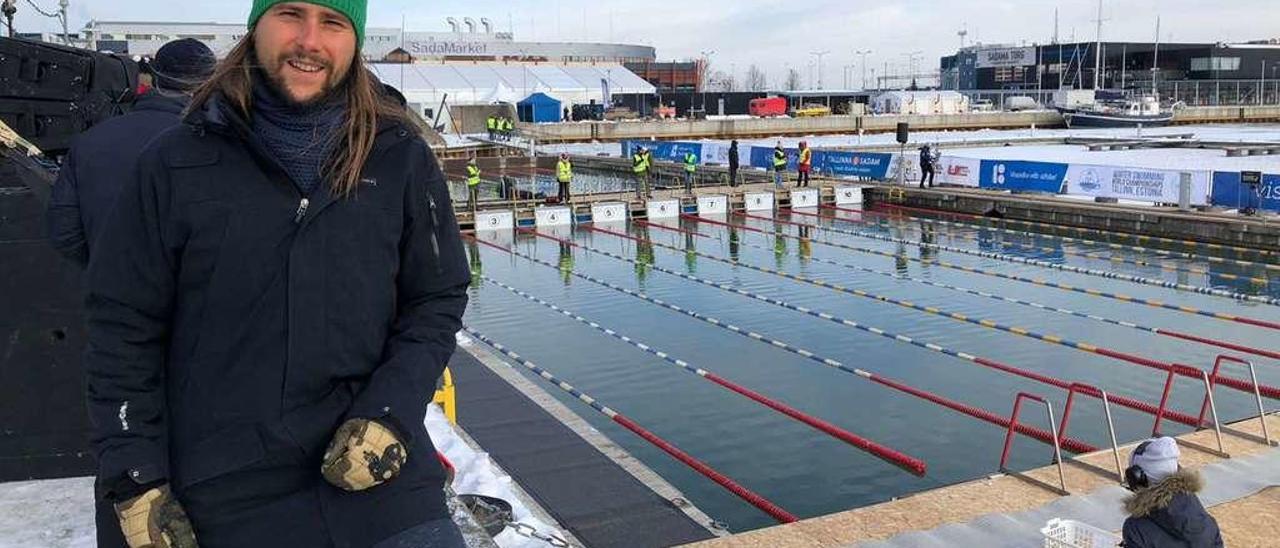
[1192,115]
[765,127]
[1218,229]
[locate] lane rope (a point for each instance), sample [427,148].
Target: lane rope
[1033,262]
[888,454]
[1038,306]
[734,487]
[1039,434]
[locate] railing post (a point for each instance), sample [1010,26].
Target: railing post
[1257,393]
[1106,407]
[1164,400]
[1013,425]
[1213,407]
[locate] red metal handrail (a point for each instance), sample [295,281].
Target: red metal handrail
[1257,393]
[1013,423]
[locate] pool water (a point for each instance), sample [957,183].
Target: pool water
[793,465]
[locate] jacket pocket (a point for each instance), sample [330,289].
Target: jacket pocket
[222,453]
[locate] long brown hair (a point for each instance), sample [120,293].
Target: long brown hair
[367,104]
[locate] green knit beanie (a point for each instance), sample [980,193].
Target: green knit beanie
[353,9]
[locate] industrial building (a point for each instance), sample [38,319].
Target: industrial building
[468,41]
[1214,70]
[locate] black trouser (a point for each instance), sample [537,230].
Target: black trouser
[926,172]
[564,192]
[733,174]
[803,179]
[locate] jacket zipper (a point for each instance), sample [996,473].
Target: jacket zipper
[302,211]
[435,241]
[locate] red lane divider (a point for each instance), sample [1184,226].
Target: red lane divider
[734,487]
[1158,331]
[1078,230]
[756,500]
[1045,436]
[884,452]
[1183,370]
[1137,405]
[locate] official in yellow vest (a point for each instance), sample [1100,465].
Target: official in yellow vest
[804,165]
[690,171]
[779,164]
[491,124]
[640,167]
[564,176]
[473,184]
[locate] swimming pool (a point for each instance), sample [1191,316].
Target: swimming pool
[929,305]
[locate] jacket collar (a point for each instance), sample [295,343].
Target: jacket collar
[1160,495]
[162,102]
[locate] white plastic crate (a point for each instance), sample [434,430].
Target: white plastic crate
[1067,533]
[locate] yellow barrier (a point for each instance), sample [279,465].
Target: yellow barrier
[446,397]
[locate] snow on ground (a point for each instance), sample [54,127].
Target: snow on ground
[59,513]
[478,475]
[53,513]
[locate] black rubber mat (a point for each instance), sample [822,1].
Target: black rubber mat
[579,486]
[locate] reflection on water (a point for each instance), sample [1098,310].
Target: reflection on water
[799,469]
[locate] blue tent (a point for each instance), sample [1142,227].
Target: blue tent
[538,107]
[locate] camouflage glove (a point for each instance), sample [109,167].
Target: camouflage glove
[364,453]
[154,519]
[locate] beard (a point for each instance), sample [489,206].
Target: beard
[333,85]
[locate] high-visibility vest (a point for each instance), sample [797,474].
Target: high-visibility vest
[806,157]
[648,160]
[507,125]
[690,162]
[564,171]
[473,175]
[779,159]
[491,123]
[638,164]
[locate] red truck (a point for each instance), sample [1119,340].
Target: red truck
[768,106]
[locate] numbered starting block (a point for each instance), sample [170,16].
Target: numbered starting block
[848,195]
[713,204]
[663,209]
[758,201]
[495,220]
[804,197]
[609,212]
[553,216]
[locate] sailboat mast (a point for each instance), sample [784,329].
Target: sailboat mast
[1155,62]
[1097,51]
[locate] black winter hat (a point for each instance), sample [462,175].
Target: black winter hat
[182,65]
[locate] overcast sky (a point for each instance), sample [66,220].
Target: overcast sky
[772,34]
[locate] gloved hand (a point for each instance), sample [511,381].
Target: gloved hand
[155,519]
[364,453]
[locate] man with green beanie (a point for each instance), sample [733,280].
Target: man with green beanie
[275,298]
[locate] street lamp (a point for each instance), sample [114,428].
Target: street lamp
[863,53]
[705,76]
[819,55]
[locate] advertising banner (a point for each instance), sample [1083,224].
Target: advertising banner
[1022,175]
[1006,57]
[1228,192]
[873,165]
[665,151]
[952,170]
[1130,183]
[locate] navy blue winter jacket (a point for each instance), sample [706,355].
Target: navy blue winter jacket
[234,326]
[98,166]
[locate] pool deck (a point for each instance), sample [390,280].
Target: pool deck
[1250,521]
[1210,226]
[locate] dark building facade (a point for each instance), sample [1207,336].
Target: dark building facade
[1125,65]
[670,76]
